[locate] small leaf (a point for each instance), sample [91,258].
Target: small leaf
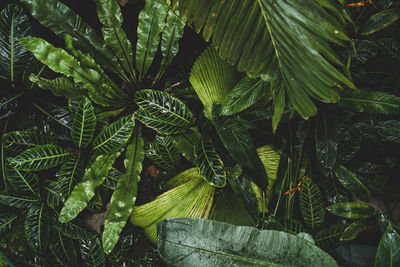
[92,253]
[209,163]
[84,124]
[351,210]
[388,253]
[40,158]
[351,183]
[380,21]
[114,137]
[311,203]
[37,228]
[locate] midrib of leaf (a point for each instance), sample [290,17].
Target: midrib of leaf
[12,48]
[23,199]
[169,111]
[11,99]
[205,155]
[311,205]
[108,139]
[72,175]
[245,95]
[82,126]
[132,167]
[47,157]
[39,224]
[367,101]
[328,237]
[51,116]
[147,43]
[23,178]
[8,222]
[62,243]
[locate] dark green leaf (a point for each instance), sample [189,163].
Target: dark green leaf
[380,21]
[195,242]
[325,142]
[351,183]
[163,152]
[279,108]
[6,223]
[388,253]
[292,226]
[20,140]
[357,255]
[329,237]
[53,198]
[185,143]
[353,230]
[70,174]
[24,183]
[17,201]
[112,179]
[37,227]
[311,203]
[63,249]
[75,229]
[10,104]
[351,210]
[92,253]
[40,158]
[84,124]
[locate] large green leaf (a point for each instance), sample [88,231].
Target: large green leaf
[388,253]
[263,36]
[84,124]
[351,210]
[17,201]
[163,112]
[210,165]
[62,20]
[351,183]
[163,152]
[60,86]
[40,158]
[14,58]
[63,249]
[17,141]
[37,227]
[24,183]
[115,136]
[212,79]
[311,203]
[326,142]
[70,174]
[188,195]
[91,252]
[195,242]
[239,144]
[7,220]
[368,101]
[110,16]
[151,24]
[84,191]
[380,21]
[124,197]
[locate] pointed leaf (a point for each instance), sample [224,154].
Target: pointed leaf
[84,191]
[351,210]
[91,252]
[329,237]
[24,183]
[114,137]
[75,229]
[380,21]
[351,183]
[40,158]
[70,174]
[163,152]
[186,241]
[279,108]
[124,197]
[37,228]
[163,112]
[326,142]
[292,226]
[210,165]
[53,198]
[388,253]
[311,203]
[20,140]
[353,230]
[60,86]
[63,249]
[6,222]
[17,201]
[84,124]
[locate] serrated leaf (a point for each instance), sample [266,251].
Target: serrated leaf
[162,112]
[40,158]
[210,165]
[70,174]
[7,221]
[84,191]
[311,203]
[328,238]
[17,201]
[151,23]
[380,21]
[37,228]
[388,253]
[114,137]
[24,183]
[124,197]
[351,210]
[163,152]
[84,124]
[352,183]
[63,249]
[60,86]
[92,253]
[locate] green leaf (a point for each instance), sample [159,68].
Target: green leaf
[20,140]
[92,253]
[163,112]
[63,249]
[351,210]
[353,230]
[151,23]
[351,183]
[380,21]
[163,152]
[70,174]
[24,183]
[112,179]
[239,144]
[14,58]
[326,142]
[75,229]
[328,238]
[114,137]
[311,203]
[53,197]
[210,165]
[212,79]
[292,226]
[368,101]
[124,197]
[279,108]
[110,16]
[37,228]
[188,195]
[40,158]
[185,241]
[17,201]
[60,86]
[62,20]
[84,191]
[84,124]
[388,253]
[6,223]
[245,94]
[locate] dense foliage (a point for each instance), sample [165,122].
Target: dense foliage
[199,133]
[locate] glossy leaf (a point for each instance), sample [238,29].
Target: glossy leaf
[186,241]
[60,86]
[311,203]
[7,221]
[14,58]
[245,94]
[185,142]
[63,249]
[53,196]
[279,108]
[124,197]
[353,230]
[10,104]
[368,101]
[114,137]
[380,21]
[162,112]
[92,253]
[84,124]
[328,237]
[75,229]
[326,142]
[20,140]
[351,210]
[292,226]
[84,191]
[352,183]
[163,152]
[37,228]
[210,165]
[40,158]
[17,201]
[388,253]
[112,179]
[151,23]
[70,174]
[24,183]
[240,145]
